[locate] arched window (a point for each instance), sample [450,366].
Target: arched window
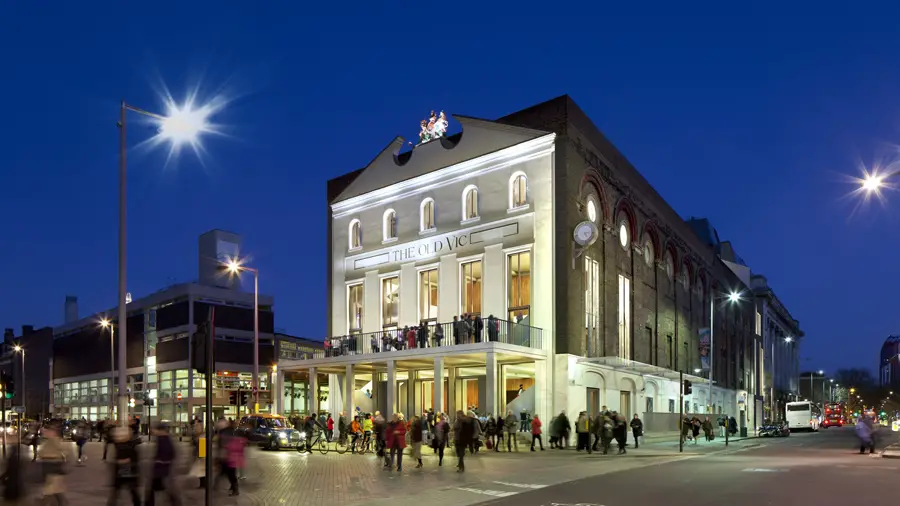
[518,191]
[624,238]
[685,277]
[592,209]
[670,266]
[470,203]
[355,235]
[390,225]
[649,253]
[426,214]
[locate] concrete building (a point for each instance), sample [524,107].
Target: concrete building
[585,288]
[889,363]
[32,388]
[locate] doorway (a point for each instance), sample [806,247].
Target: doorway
[593,401]
[625,404]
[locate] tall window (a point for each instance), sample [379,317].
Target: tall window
[355,235]
[355,295]
[592,292]
[624,317]
[427,215]
[428,295]
[390,225]
[390,301]
[518,191]
[519,280]
[471,287]
[470,203]
[649,257]
[670,352]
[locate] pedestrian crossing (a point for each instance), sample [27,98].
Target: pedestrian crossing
[518,488]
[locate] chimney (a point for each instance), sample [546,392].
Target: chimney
[27,329]
[71,313]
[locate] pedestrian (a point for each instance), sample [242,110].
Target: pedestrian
[441,437]
[707,429]
[510,426]
[475,445]
[865,431]
[563,427]
[126,468]
[82,432]
[523,416]
[536,432]
[162,467]
[395,441]
[637,429]
[498,432]
[416,432]
[379,426]
[54,456]
[463,432]
[36,441]
[695,428]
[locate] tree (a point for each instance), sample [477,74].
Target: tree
[858,378]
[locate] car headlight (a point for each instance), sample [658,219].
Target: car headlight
[282,435]
[302,434]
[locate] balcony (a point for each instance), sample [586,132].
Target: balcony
[436,335]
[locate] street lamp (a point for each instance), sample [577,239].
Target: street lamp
[19,349]
[235,267]
[732,298]
[181,125]
[107,324]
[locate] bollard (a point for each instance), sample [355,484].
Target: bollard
[201,454]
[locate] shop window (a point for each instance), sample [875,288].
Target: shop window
[390,301]
[428,295]
[471,287]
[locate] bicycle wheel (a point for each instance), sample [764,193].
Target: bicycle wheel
[323,446]
[341,446]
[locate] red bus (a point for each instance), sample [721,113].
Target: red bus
[834,416]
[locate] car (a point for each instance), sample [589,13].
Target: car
[271,432]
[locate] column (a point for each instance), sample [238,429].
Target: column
[312,399]
[438,396]
[279,391]
[490,388]
[410,394]
[349,391]
[451,392]
[391,389]
[542,391]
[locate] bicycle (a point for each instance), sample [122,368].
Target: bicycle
[362,444]
[317,442]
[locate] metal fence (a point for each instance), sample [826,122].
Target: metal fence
[432,335]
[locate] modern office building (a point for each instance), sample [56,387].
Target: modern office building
[583,286]
[160,328]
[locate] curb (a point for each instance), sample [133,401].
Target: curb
[891,452]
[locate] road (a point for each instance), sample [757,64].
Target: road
[820,468]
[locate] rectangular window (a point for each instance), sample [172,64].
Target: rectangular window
[519,280]
[428,295]
[592,306]
[648,335]
[624,317]
[355,294]
[471,288]
[758,324]
[390,301]
[670,352]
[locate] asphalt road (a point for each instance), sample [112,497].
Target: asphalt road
[819,468]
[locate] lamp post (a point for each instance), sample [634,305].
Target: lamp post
[732,298]
[107,324]
[19,349]
[179,126]
[235,267]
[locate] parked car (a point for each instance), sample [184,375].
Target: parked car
[272,432]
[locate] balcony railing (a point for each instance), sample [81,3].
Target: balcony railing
[432,335]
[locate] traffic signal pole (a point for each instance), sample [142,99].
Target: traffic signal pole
[210,374]
[680,412]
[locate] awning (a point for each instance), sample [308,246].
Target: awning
[643,369]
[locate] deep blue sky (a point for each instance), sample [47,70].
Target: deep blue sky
[744,118]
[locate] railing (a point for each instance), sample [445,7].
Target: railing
[432,335]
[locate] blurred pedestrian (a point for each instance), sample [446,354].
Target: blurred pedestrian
[417,428]
[53,456]
[126,468]
[463,433]
[162,468]
[395,441]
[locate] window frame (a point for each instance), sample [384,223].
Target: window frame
[422,207]
[509,253]
[520,190]
[465,208]
[381,280]
[354,236]
[463,309]
[420,271]
[361,284]
[389,232]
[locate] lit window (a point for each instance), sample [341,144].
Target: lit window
[649,256]
[470,203]
[427,215]
[624,317]
[519,280]
[758,324]
[623,234]
[471,288]
[390,301]
[355,235]
[428,295]
[390,225]
[517,191]
[592,291]
[592,210]
[355,294]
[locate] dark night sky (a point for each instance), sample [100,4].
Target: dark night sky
[751,119]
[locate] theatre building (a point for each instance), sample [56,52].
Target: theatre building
[581,287]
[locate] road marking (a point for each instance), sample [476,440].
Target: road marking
[763,470]
[886,468]
[519,485]
[493,493]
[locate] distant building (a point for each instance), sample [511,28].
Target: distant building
[32,389]
[889,365]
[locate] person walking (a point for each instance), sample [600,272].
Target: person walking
[162,467]
[463,432]
[416,432]
[395,441]
[126,467]
[620,431]
[583,432]
[82,432]
[707,429]
[53,457]
[441,437]
[536,432]
[509,425]
[637,430]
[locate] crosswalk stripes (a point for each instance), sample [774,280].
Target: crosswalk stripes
[519,485]
[502,493]
[494,493]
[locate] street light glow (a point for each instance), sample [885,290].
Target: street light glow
[734,297]
[105,323]
[788,339]
[872,183]
[17,348]
[821,372]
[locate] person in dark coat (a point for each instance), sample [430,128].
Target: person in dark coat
[126,471]
[464,434]
[162,467]
[637,430]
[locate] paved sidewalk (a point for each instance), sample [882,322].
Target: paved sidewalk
[285,478]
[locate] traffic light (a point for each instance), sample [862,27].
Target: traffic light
[232,398]
[9,386]
[687,387]
[244,399]
[200,344]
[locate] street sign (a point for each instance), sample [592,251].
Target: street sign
[179,396]
[18,409]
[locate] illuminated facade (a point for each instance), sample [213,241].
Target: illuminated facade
[582,286]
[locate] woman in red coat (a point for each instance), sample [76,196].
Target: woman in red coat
[536,432]
[395,439]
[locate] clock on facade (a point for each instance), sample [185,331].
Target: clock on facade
[586,233]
